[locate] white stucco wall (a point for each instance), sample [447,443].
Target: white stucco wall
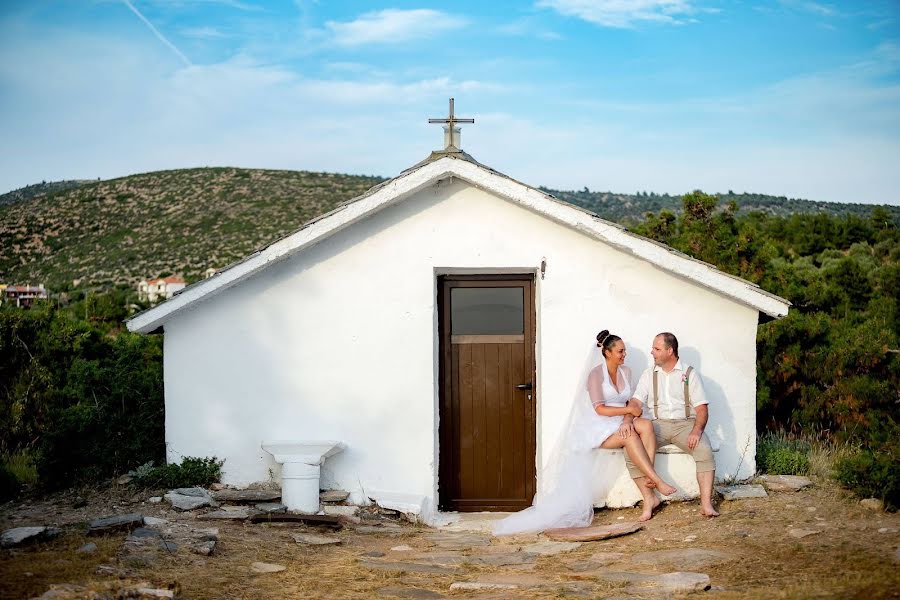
[340,341]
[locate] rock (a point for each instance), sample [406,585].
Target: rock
[684,558]
[271,507]
[231,513]
[457,541]
[784,483]
[261,567]
[742,492]
[216,487]
[206,548]
[170,547]
[115,523]
[155,592]
[154,499]
[373,554]
[593,533]
[143,532]
[124,479]
[690,538]
[501,560]
[401,548]
[188,501]
[21,535]
[333,496]
[802,533]
[196,492]
[341,511]
[378,529]
[547,548]
[309,539]
[872,504]
[409,592]
[87,548]
[250,496]
[154,522]
[478,585]
[672,582]
[409,567]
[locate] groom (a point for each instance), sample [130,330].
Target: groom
[673,394]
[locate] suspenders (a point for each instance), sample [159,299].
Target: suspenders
[687,394]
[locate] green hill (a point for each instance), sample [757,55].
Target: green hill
[116,232]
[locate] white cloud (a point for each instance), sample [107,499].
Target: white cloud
[623,13]
[203,33]
[392,26]
[529,26]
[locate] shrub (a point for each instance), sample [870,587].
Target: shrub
[871,474]
[777,454]
[9,485]
[191,472]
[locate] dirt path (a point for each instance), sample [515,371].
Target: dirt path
[816,543]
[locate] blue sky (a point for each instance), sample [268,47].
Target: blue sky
[789,97]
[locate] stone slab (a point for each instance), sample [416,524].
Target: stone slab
[261,567]
[333,496]
[679,581]
[115,523]
[318,520]
[310,539]
[742,492]
[409,567]
[249,496]
[550,548]
[458,541]
[592,533]
[683,558]
[409,592]
[802,533]
[186,502]
[231,514]
[21,535]
[271,507]
[784,483]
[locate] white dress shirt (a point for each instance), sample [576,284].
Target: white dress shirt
[671,391]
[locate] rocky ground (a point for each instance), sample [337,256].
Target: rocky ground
[817,542]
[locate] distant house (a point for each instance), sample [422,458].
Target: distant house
[165,288]
[23,296]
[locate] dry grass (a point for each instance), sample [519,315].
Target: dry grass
[849,558]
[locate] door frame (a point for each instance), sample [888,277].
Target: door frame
[448,470]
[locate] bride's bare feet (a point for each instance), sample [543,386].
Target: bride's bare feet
[647,514]
[650,484]
[708,511]
[665,489]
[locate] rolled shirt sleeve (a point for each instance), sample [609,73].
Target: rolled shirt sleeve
[695,387]
[642,391]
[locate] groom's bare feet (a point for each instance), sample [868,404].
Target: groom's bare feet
[708,511]
[649,507]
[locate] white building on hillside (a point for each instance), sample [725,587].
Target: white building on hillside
[436,325]
[163,288]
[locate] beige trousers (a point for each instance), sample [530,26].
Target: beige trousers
[676,431]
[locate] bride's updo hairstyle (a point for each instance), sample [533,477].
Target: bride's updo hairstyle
[605,341]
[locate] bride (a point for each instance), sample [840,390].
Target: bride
[599,418]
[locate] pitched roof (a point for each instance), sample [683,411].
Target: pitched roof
[439,166]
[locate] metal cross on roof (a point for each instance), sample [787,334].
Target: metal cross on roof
[451,132]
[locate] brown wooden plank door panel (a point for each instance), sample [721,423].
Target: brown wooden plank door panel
[487,417]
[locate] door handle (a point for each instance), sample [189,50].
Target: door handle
[523,386]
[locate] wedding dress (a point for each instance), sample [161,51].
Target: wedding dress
[567,488]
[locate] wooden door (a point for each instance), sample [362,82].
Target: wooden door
[487,408]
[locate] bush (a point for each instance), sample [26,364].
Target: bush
[9,485]
[191,472]
[872,472]
[779,455]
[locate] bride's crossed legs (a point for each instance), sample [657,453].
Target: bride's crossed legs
[640,444]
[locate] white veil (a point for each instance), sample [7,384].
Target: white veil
[567,489]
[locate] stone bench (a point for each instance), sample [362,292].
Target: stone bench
[672,463]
